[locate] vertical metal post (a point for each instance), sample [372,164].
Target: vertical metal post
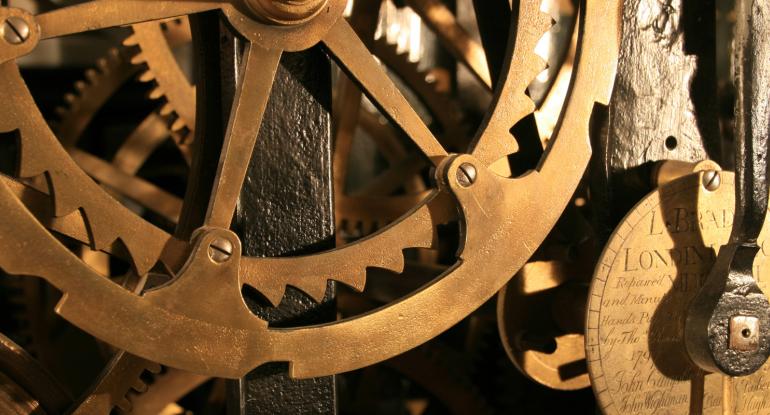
[663,106]
[285,208]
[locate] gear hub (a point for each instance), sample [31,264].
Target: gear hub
[286,12]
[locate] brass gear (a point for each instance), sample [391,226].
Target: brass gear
[119,175]
[161,315]
[155,42]
[363,211]
[120,385]
[356,215]
[119,380]
[83,103]
[25,386]
[375,205]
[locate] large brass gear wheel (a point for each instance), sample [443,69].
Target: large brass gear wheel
[365,210]
[81,106]
[227,340]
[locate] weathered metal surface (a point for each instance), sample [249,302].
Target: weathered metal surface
[663,106]
[730,291]
[285,208]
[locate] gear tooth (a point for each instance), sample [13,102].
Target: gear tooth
[273,294]
[146,76]
[112,66]
[100,238]
[80,86]
[154,368]
[178,125]
[166,110]
[113,54]
[124,404]
[130,41]
[92,75]
[181,137]
[394,263]
[544,22]
[316,291]
[139,386]
[358,282]
[156,93]
[138,59]
[102,64]
[184,141]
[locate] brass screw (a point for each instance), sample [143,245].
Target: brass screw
[220,250]
[15,30]
[711,180]
[466,174]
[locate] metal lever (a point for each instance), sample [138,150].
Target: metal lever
[728,326]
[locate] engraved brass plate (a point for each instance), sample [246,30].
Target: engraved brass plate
[645,279]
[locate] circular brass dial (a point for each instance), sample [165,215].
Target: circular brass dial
[645,279]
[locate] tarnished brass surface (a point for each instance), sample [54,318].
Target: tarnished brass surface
[166,388]
[534,304]
[649,272]
[220,336]
[121,375]
[25,386]
[286,12]
[362,211]
[156,45]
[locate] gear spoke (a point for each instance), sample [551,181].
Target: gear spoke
[149,195]
[258,69]
[351,53]
[138,147]
[95,15]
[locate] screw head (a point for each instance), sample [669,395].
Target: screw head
[711,180]
[15,30]
[466,174]
[220,250]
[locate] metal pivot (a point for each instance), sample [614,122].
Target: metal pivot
[728,327]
